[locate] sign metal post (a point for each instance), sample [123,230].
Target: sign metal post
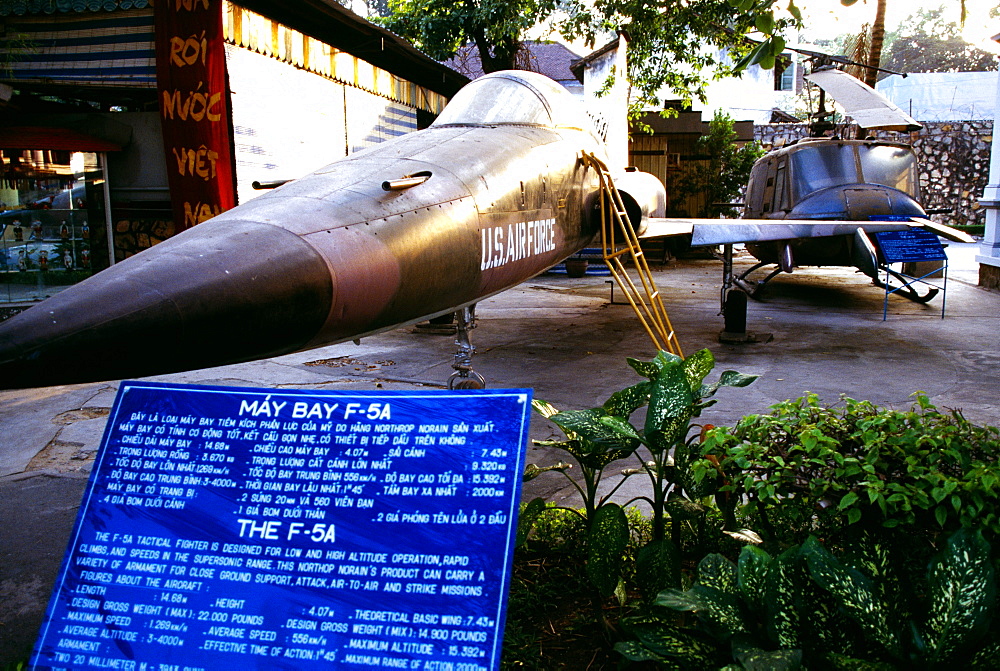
[913,245]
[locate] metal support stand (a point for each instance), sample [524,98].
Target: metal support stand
[908,289]
[464,377]
[734,313]
[727,275]
[734,306]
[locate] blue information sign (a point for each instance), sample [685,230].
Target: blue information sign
[232,528]
[915,244]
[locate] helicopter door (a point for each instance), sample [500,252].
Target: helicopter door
[756,189]
[768,199]
[780,188]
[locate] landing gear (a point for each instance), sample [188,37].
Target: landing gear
[464,377]
[906,290]
[734,304]
[752,288]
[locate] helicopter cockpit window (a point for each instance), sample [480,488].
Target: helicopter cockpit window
[822,166]
[780,191]
[523,98]
[895,167]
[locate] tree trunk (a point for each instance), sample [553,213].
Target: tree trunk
[875,52]
[498,56]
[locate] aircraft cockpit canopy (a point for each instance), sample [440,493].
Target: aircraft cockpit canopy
[514,97]
[820,165]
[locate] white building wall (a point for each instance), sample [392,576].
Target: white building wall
[609,111]
[289,122]
[942,96]
[748,98]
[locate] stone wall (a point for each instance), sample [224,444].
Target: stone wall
[954,161]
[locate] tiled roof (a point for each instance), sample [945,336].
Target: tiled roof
[551,59]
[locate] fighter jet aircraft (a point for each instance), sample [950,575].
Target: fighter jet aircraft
[499,188]
[493,193]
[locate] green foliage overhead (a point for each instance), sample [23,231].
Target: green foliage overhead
[683,44]
[441,27]
[927,42]
[675,43]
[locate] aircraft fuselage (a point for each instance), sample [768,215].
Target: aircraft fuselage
[326,258]
[825,179]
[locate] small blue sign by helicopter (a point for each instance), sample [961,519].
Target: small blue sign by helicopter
[915,244]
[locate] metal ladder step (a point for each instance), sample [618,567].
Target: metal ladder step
[647,303]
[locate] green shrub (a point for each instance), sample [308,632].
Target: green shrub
[674,392]
[880,530]
[551,619]
[807,469]
[807,608]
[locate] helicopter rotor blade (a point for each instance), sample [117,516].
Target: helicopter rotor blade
[868,107]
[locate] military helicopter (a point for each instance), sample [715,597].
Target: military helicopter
[838,178]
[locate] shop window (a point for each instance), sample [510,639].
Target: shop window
[52,222]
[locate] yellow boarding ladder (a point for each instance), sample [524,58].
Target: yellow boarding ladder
[647,303]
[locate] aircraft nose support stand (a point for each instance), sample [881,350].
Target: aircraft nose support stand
[464,377]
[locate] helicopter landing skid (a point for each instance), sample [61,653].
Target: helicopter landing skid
[907,290]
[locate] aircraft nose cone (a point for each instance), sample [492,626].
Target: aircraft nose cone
[220,293]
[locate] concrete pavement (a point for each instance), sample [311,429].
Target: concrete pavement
[563,338]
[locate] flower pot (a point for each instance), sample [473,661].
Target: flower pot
[576,267]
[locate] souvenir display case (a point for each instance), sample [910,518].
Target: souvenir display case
[52,222]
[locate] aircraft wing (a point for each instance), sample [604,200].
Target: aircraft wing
[948,232]
[709,232]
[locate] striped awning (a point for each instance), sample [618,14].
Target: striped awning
[94,49]
[266,36]
[22,7]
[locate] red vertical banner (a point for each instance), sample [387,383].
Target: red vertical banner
[194,108]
